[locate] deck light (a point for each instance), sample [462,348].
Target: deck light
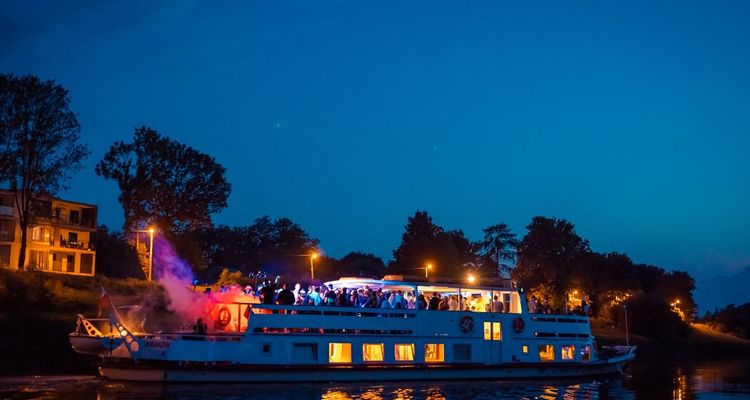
[471,278]
[427,269]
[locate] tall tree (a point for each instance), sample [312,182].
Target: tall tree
[164,182]
[417,246]
[424,242]
[499,245]
[547,256]
[39,150]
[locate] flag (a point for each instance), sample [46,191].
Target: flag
[104,303]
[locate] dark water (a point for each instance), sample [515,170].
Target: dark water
[724,380]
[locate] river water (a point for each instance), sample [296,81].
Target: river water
[719,380]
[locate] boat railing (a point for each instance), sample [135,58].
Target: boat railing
[334,311]
[560,318]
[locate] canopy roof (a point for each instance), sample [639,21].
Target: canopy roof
[408,283]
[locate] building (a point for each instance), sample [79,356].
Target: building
[58,238]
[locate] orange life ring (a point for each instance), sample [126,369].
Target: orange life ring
[518,325]
[466,324]
[225,316]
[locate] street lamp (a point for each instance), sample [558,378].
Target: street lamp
[313,256]
[427,269]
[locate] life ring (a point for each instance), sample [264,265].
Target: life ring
[518,325]
[466,324]
[225,316]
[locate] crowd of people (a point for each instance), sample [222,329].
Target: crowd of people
[273,292]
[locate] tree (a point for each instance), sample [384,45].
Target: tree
[164,182]
[424,242]
[361,264]
[39,145]
[499,244]
[115,257]
[547,256]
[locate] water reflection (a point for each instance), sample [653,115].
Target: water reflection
[706,381]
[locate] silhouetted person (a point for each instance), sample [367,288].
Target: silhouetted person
[434,301]
[285,297]
[200,328]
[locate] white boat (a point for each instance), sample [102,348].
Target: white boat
[327,343]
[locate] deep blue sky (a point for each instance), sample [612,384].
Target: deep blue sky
[630,120]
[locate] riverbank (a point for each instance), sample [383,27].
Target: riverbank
[37,311]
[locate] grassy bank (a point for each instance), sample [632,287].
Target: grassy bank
[38,310]
[699,344]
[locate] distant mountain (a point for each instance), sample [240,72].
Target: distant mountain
[722,291]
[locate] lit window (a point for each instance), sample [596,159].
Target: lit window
[546,352]
[487,331]
[496,333]
[404,352]
[433,353]
[525,349]
[568,352]
[372,352]
[339,352]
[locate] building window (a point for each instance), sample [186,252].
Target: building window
[496,333]
[404,352]
[434,353]
[40,234]
[339,352]
[487,330]
[372,352]
[87,264]
[525,349]
[461,352]
[546,352]
[568,352]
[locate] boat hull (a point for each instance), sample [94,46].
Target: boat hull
[316,373]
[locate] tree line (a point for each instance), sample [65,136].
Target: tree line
[176,188]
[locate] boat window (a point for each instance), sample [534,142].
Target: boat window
[404,352]
[525,349]
[568,352]
[266,348]
[339,352]
[305,352]
[434,353]
[586,353]
[492,331]
[496,332]
[461,352]
[546,352]
[372,352]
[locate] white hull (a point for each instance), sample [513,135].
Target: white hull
[196,373]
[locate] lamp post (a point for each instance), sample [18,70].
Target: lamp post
[313,256]
[427,269]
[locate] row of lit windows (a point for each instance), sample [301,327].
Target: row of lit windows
[568,352]
[375,352]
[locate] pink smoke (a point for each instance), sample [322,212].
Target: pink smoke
[176,276]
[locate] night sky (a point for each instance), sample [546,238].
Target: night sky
[630,120]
